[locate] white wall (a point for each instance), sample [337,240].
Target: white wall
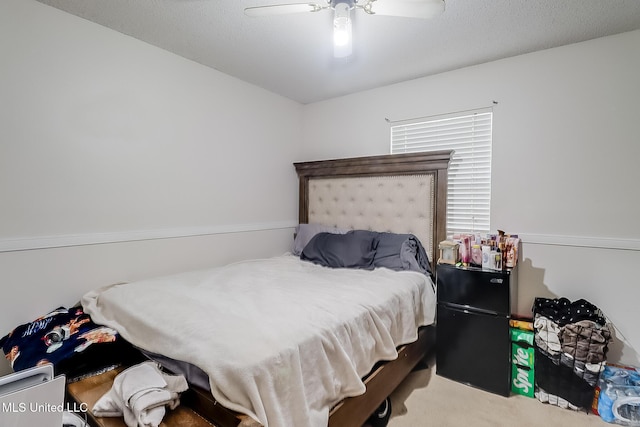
[105,138]
[565,156]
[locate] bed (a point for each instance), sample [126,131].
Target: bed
[314,345]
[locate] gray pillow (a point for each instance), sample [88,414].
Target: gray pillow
[355,249]
[305,232]
[401,252]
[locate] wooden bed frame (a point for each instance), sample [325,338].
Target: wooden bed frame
[385,376]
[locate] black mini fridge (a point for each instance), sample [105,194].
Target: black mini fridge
[472,332]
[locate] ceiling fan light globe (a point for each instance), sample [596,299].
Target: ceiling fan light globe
[342,51]
[340,38]
[341,32]
[342,25]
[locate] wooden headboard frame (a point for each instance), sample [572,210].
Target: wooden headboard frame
[433,163]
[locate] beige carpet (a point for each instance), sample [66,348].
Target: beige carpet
[425,399]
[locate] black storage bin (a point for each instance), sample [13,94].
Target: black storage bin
[571,340]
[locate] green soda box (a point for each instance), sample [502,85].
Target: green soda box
[522,380]
[522,362]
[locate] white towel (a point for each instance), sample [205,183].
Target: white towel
[140,394]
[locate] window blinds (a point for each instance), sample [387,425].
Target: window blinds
[469,134]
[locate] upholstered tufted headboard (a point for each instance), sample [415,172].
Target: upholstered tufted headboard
[401,193]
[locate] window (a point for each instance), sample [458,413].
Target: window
[469,134]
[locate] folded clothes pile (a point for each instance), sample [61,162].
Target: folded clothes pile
[571,340]
[141,394]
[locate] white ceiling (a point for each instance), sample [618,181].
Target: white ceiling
[292,54]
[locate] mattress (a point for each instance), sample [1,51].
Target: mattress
[281,340]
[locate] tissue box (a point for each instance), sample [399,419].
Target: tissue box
[448,252]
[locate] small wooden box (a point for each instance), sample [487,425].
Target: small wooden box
[448,252]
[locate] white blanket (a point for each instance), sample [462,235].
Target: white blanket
[281,339]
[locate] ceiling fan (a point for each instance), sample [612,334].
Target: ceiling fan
[422,9]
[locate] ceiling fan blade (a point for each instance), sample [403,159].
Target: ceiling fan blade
[282,9]
[422,9]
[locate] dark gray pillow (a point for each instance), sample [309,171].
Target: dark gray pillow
[355,249]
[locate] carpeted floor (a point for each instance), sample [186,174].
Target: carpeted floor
[425,399]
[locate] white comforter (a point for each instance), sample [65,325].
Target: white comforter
[281,339]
